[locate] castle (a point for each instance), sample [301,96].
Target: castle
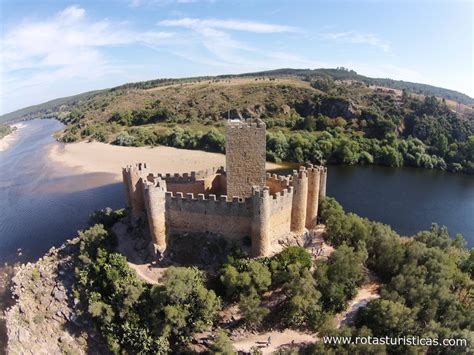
[240,203]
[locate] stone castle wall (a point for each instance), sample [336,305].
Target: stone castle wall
[211,181]
[245,157]
[280,213]
[265,217]
[133,177]
[277,183]
[218,215]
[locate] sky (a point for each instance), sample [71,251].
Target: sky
[52,49]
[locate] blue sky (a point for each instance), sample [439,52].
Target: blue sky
[53,49]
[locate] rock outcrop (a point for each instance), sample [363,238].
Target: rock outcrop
[45,317]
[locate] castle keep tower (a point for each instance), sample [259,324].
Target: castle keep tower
[245,157]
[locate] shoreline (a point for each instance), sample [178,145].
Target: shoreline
[95,157]
[6,141]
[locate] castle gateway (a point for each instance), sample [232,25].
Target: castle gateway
[239,203]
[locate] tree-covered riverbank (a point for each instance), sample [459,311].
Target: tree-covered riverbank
[5,130]
[315,119]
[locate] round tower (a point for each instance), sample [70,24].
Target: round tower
[322,183]
[134,176]
[300,199]
[260,235]
[313,195]
[154,199]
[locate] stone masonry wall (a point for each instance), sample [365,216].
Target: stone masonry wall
[132,178]
[277,183]
[154,195]
[211,181]
[245,157]
[280,213]
[229,218]
[300,198]
[314,174]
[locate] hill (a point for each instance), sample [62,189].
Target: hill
[322,115]
[50,108]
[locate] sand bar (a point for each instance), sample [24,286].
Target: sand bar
[10,138]
[95,157]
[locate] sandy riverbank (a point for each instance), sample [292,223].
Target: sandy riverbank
[9,139]
[97,157]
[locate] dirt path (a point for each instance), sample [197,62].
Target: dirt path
[316,246]
[365,294]
[139,256]
[279,339]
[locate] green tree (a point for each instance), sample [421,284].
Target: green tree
[249,305]
[222,344]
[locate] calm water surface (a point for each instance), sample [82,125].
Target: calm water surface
[42,204]
[408,199]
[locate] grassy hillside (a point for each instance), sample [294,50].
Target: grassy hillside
[324,115]
[53,107]
[49,109]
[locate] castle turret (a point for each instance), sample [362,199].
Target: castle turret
[154,198]
[133,177]
[300,198]
[245,156]
[313,195]
[260,222]
[322,182]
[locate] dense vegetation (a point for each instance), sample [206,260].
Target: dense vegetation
[325,121]
[324,115]
[427,283]
[5,130]
[55,107]
[134,316]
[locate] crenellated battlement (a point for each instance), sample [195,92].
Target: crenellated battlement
[281,179]
[302,173]
[154,182]
[192,204]
[190,176]
[135,167]
[248,123]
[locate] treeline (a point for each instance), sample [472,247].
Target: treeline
[341,124]
[426,291]
[5,130]
[342,73]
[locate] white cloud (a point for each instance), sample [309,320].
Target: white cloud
[356,37]
[211,42]
[235,25]
[67,46]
